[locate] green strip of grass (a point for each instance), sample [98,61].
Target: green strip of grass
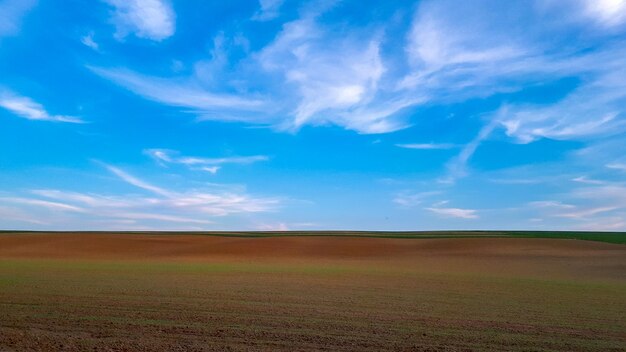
[609,237]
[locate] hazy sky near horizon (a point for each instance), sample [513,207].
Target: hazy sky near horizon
[280,114]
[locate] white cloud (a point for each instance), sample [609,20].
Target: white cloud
[27,108]
[604,224]
[11,214]
[434,42]
[606,12]
[617,166]
[454,212]
[162,217]
[11,14]
[588,207]
[551,204]
[88,41]
[211,165]
[269,10]
[150,19]
[43,203]
[595,15]
[336,77]
[210,169]
[610,194]
[186,160]
[187,94]
[57,208]
[407,199]
[281,226]
[594,109]
[454,51]
[451,60]
[585,213]
[137,182]
[207,203]
[426,146]
[585,179]
[457,167]
[89,200]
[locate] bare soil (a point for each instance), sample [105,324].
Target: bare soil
[114,292]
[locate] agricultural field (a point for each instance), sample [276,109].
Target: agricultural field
[461,291]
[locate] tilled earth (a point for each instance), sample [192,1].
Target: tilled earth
[96,292]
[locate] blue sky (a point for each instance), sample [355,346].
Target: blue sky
[246,115]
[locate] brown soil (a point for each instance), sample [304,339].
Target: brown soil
[309,294]
[558,258]
[159,247]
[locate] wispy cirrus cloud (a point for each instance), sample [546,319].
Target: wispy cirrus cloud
[611,223]
[454,212]
[593,109]
[88,40]
[457,167]
[156,206]
[616,166]
[42,203]
[427,146]
[585,213]
[326,85]
[20,216]
[412,199]
[211,165]
[451,63]
[11,14]
[185,93]
[269,10]
[214,204]
[606,14]
[163,217]
[150,19]
[29,109]
[610,194]
[587,180]
[441,53]
[551,204]
[354,82]
[586,207]
[130,179]
[333,86]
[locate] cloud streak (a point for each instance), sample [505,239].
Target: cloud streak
[408,199]
[132,180]
[29,109]
[186,94]
[211,165]
[616,166]
[193,207]
[269,10]
[11,14]
[88,41]
[427,146]
[454,212]
[149,19]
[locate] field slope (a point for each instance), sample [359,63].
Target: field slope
[359,292]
